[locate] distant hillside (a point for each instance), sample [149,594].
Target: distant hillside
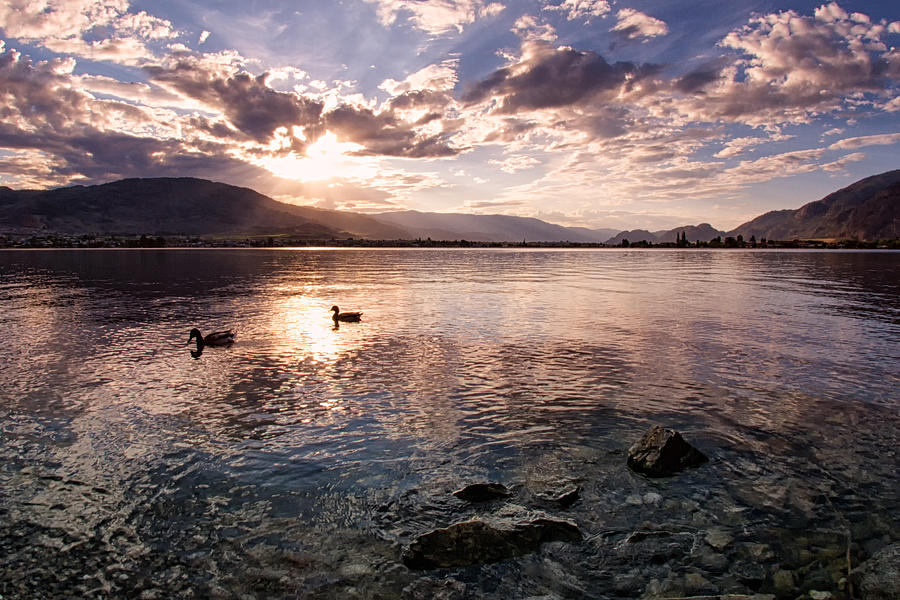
[174,206]
[635,235]
[866,210]
[489,228]
[693,233]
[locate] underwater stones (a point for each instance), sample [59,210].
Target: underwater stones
[486,541]
[428,588]
[482,492]
[783,582]
[718,538]
[750,574]
[879,577]
[662,452]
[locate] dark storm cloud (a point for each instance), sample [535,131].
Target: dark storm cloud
[549,77]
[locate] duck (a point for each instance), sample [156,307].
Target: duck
[347,317]
[218,338]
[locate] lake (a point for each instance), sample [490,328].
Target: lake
[300,461]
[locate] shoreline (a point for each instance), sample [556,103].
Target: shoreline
[88,241]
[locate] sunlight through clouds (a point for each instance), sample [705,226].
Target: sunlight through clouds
[325,159]
[585,104]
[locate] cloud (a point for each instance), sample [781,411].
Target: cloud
[785,68]
[249,104]
[513,164]
[581,9]
[546,77]
[633,24]
[884,139]
[528,28]
[436,17]
[841,163]
[437,77]
[384,134]
[68,26]
[204,35]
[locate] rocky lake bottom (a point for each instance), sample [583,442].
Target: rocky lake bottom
[313,461]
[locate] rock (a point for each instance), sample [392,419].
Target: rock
[428,588]
[482,492]
[718,538]
[783,581]
[486,541]
[695,584]
[712,562]
[750,574]
[656,546]
[879,577]
[663,452]
[628,583]
[564,498]
[652,498]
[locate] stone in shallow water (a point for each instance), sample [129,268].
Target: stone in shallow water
[482,492]
[718,538]
[662,452]
[486,541]
[563,497]
[880,575]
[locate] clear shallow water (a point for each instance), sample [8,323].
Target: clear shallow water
[299,461]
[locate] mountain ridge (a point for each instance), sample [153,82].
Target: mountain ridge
[867,210]
[174,206]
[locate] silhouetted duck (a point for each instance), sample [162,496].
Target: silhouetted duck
[347,317]
[219,338]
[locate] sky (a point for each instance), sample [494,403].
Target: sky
[599,113]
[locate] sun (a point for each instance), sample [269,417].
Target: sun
[326,158]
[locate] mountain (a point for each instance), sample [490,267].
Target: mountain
[488,228]
[693,233]
[866,210]
[635,235]
[175,206]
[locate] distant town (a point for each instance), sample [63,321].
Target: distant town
[283,241]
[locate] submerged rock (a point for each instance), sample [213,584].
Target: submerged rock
[486,541]
[662,452]
[482,492]
[564,497]
[879,577]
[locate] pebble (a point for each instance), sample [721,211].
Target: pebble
[652,498]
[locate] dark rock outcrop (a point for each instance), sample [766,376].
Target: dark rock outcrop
[662,452]
[486,541]
[482,492]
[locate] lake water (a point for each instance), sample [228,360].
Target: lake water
[301,460]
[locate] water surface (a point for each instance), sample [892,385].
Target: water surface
[299,461]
